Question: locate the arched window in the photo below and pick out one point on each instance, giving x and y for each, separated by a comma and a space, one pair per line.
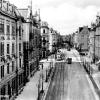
43, 30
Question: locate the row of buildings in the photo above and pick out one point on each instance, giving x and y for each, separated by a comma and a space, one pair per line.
24, 40
87, 39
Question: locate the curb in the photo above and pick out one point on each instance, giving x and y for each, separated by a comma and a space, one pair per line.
92, 88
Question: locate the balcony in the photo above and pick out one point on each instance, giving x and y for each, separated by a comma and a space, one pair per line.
14, 56
9, 57
3, 59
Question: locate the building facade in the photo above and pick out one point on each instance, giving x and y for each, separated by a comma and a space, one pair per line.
31, 42
52, 40
45, 39
83, 38
94, 44
75, 40
11, 53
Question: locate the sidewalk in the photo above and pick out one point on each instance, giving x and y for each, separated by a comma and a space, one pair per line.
94, 74
30, 91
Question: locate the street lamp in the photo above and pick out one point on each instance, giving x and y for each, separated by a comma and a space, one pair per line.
39, 89
94, 49
42, 91
39, 84
46, 76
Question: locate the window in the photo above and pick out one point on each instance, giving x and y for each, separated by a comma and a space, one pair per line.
7, 68
43, 30
36, 41
13, 85
20, 63
19, 30
1, 49
2, 71
13, 64
8, 29
19, 46
13, 30
8, 49
13, 48
3, 92
1, 28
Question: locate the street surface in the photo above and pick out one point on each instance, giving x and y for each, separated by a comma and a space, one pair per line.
70, 82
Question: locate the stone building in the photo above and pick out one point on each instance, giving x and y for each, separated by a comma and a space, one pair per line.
83, 38
94, 43
54, 40
75, 40
31, 42
11, 51
45, 39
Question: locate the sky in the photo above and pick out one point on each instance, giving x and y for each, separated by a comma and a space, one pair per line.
65, 16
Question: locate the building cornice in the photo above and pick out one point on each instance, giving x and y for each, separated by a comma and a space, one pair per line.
8, 15
45, 27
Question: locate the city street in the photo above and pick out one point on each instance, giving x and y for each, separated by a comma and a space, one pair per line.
47, 54
70, 82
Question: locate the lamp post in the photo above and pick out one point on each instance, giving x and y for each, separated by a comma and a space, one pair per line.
42, 79
94, 49
46, 76
39, 89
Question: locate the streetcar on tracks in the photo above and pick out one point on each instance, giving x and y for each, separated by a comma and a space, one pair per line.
69, 60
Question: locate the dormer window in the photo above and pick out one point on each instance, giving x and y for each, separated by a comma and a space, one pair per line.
12, 9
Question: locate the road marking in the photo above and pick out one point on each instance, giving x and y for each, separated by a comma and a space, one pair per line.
92, 88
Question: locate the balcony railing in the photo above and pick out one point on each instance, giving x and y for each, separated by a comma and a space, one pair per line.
14, 56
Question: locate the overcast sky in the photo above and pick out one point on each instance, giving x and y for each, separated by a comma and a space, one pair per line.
64, 15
